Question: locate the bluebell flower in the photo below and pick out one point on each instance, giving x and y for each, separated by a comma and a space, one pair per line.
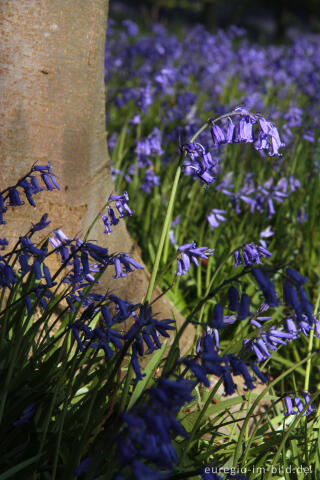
258, 372
152, 425
268, 138
100, 254
266, 286
244, 131
26, 416
291, 298
268, 341
267, 194
243, 194
149, 146
107, 223
132, 27
189, 252
121, 202
14, 198
296, 277
3, 243
3, 210
210, 475
218, 136
250, 254
216, 217
265, 234
43, 223
35, 187
217, 318
29, 248
143, 472
198, 371
244, 307
27, 187
146, 328
83, 467
289, 406
233, 296
23, 260
239, 368
128, 263
145, 98
150, 181
175, 222
124, 308
199, 162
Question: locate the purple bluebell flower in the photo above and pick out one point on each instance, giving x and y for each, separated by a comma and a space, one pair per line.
268, 138
256, 370
29, 248
174, 223
27, 188
216, 217
244, 131
132, 27
26, 416
83, 467
211, 475
107, 224
266, 286
43, 223
230, 132
217, 317
268, 193
198, 371
145, 98
121, 202
239, 368
128, 263
307, 400
199, 162
265, 234
244, 307
218, 136
296, 277
291, 298
150, 181
250, 254
3, 243
14, 198
35, 187
189, 252
233, 295
289, 406
244, 194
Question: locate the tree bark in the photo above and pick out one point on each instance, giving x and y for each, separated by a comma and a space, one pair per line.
52, 108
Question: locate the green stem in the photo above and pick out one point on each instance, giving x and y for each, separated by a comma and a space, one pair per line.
167, 220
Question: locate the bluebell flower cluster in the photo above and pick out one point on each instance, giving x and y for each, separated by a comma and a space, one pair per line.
208, 361
298, 403
216, 217
199, 162
250, 254
151, 427
29, 186
190, 253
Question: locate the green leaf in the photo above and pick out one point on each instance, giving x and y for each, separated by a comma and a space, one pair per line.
17, 468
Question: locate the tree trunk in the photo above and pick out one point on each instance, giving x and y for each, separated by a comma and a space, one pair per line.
53, 109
